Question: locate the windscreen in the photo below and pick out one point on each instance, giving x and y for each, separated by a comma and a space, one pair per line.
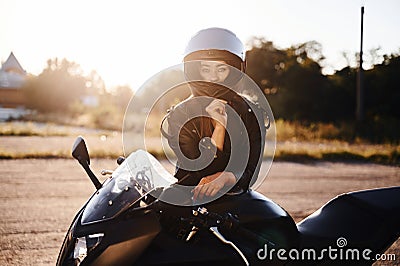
137, 176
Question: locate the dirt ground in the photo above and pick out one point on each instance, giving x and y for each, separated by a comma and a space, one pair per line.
40, 197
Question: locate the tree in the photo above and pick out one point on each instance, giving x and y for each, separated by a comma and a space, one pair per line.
57, 87
290, 78
122, 95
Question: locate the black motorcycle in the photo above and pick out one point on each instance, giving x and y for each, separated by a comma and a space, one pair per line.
128, 221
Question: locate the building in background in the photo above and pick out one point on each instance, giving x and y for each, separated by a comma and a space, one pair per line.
12, 98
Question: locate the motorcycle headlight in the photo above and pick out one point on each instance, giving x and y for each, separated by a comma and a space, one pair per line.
85, 244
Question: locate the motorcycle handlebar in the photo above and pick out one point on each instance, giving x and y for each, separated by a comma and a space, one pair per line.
230, 223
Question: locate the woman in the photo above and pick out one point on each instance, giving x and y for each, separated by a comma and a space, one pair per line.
216, 134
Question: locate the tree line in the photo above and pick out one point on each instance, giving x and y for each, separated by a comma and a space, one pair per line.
291, 79
63, 92
296, 89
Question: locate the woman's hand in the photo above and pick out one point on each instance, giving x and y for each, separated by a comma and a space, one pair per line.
216, 109
210, 185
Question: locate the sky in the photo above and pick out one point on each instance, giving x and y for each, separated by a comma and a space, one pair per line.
127, 42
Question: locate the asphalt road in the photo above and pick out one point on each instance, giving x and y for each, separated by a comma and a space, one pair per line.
39, 199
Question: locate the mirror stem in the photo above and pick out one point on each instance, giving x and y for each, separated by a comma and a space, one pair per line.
91, 175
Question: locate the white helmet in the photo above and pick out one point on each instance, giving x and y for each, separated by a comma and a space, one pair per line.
214, 44
216, 39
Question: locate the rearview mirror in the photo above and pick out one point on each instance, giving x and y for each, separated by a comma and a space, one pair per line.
80, 152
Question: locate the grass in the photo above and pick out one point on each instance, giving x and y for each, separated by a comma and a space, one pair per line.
58, 154
29, 128
295, 142
281, 155
338, 151
286, 151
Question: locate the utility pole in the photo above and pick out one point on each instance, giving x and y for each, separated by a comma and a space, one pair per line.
360, 83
